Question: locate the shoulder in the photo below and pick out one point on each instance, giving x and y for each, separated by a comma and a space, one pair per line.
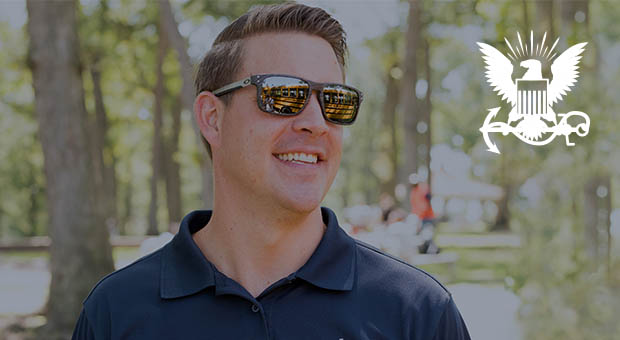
120, 293
392, 287
391, 276
133, 283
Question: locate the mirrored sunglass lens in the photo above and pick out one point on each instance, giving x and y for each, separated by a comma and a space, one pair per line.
341, 103
283, 95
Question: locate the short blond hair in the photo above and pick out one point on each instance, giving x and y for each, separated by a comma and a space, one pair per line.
219, 66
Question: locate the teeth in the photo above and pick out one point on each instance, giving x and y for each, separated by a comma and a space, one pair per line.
298, 157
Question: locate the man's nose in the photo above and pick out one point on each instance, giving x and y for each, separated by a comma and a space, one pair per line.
311, 118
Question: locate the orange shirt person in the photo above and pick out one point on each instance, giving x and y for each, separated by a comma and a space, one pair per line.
420, 199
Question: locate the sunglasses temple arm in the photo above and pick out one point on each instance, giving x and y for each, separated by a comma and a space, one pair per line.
232, 86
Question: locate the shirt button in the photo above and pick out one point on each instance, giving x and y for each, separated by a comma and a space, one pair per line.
255, 308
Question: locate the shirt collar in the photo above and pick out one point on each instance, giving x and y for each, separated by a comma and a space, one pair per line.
185, 270
332, 265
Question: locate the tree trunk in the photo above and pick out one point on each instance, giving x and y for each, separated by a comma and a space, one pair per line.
409, 104
427, 136
544, 19
80, 252
526, 19
502, 220
127, 205
568, 9
157, 153
590, 219
105, 161
187, 92
171, 147
389, 122
172, 169
596, 211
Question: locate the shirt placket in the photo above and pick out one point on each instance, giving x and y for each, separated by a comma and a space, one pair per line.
227, 286
269, 298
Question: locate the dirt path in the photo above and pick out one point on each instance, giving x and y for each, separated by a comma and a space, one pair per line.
490, 311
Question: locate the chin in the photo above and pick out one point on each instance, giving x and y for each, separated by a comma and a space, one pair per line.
298, 196
302, 205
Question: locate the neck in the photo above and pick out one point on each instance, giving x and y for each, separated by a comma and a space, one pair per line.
254, 245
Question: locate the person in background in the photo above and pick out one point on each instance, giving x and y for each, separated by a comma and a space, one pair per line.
420, 199
387, 205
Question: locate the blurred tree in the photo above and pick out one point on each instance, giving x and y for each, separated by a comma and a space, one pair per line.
425, 125
544, 18
410, 106
389, 123
22, 203
416, 94
526, 18
159, 93
186, 101
502, 220
105, 173
171, 166
508, 177
569, 276
76, 223
92, 52
596, 188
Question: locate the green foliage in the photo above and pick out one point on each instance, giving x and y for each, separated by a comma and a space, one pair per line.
22, 207
565, 294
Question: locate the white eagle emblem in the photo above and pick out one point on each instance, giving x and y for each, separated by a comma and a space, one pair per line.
533, 96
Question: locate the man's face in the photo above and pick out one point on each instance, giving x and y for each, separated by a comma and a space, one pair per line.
252, 140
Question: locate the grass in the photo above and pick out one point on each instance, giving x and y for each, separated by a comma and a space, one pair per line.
120, 255
488, 265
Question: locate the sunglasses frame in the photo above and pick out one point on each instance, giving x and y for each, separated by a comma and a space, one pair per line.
257, 80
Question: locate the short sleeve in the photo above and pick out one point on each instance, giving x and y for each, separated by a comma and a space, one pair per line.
83, 330
451, 325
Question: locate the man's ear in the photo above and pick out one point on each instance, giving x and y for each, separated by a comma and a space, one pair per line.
208, 110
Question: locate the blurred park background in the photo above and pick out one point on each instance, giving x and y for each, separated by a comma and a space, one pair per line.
109, 154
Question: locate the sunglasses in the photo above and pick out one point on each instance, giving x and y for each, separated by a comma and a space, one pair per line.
285, 95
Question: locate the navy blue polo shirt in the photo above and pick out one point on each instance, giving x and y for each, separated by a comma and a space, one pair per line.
346, 290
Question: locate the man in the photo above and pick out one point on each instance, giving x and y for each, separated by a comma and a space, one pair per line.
268, 262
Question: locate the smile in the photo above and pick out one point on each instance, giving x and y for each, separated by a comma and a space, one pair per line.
300, 158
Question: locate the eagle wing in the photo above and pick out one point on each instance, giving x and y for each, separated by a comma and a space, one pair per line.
565, 73
499, 73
